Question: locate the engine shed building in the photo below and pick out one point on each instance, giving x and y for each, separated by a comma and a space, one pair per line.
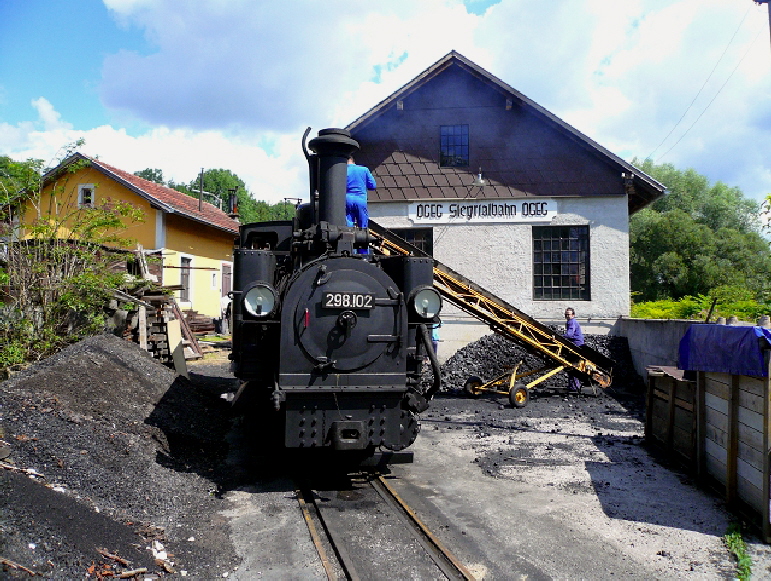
549, 227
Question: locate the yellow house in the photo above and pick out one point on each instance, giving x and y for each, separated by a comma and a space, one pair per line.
194, 239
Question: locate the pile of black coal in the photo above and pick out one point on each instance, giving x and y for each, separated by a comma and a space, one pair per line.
494, 355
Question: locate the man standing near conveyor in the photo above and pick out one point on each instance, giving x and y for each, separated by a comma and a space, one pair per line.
574, 333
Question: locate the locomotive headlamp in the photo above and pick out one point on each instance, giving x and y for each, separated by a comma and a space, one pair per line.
427, 302
260, 300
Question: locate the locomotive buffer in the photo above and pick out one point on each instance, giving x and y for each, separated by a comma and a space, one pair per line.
559, 352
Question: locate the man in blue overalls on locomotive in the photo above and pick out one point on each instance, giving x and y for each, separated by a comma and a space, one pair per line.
359, 181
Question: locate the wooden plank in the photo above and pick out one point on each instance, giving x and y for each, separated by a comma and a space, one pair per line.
751, 494
715, 468
715, 418
714, 387
684, 404
176, 348
716, 451
749, 473
682, 442
753, 385
142, 327
749, 418
751, 401
683, 419
750, 437
686, 390
732, 447
701, 425
671, 413
752, 458
658, 429
716, 436
719, 377
651, 386
661, 395
716, 403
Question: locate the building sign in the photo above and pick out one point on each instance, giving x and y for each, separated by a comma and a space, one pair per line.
483, 211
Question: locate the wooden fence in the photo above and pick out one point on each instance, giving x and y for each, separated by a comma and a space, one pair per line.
717, 425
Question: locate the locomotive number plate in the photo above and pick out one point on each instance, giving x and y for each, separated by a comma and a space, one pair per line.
346, 300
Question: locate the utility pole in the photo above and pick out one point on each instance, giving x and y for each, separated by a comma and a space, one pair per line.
769, 11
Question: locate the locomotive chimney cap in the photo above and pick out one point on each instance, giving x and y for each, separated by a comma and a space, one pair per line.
333, 141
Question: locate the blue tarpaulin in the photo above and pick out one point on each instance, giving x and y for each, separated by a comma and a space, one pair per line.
734, 349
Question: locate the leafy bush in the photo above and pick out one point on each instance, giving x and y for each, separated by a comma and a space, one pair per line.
726, 304
56, 277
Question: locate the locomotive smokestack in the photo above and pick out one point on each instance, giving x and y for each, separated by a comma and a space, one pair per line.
332, 148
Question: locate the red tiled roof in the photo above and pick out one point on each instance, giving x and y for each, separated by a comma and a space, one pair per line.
162, 197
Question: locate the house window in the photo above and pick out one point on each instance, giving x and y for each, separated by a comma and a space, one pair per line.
423, 238
561, 263
184, 279
86, 196
453, 146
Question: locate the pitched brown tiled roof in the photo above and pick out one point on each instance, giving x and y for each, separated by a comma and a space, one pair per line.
510, 181
161, 197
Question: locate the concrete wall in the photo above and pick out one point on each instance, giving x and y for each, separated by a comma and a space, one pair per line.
499, 257
652, 341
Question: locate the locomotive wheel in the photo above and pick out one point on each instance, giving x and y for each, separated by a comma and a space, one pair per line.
472, 386
519, 396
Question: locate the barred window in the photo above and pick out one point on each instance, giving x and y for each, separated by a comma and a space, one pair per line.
453, 146
423, 238
561, 263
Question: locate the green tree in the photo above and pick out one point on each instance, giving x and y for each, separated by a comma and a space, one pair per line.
221, 182
153, 175
696, 238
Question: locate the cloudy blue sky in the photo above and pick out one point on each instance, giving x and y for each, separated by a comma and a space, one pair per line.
180, 85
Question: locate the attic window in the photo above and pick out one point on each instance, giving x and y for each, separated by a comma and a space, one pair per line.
453, 146
86, 196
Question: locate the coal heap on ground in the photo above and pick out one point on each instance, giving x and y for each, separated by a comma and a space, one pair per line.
492, 355
110, 450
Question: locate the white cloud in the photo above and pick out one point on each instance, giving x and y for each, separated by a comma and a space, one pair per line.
179, 153
232, 83
50, 118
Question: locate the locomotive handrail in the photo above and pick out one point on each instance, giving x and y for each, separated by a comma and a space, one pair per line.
502, 317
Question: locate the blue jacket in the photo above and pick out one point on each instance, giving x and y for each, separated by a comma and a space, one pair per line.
359, 181
573, 332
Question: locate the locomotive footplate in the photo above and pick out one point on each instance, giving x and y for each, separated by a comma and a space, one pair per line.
346, 421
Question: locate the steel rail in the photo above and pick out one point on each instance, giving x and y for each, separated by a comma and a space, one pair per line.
438, 554
499, 315
443, 558
315, 537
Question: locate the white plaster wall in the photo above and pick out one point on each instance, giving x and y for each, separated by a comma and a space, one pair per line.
499, 257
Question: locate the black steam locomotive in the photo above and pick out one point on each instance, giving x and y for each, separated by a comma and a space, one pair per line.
329, 342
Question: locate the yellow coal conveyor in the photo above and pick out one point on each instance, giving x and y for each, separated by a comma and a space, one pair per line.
559, 352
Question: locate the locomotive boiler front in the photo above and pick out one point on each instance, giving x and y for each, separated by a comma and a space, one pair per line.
329, 340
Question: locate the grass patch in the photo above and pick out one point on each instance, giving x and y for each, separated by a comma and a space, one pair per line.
737, 547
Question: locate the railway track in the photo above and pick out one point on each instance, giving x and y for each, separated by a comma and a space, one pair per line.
364, 530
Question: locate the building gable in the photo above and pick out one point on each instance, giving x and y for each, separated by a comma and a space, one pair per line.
158, 196
521, 149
